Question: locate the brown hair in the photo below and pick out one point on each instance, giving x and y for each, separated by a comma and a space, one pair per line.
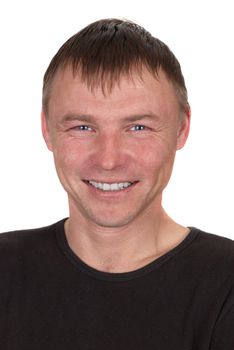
105, 49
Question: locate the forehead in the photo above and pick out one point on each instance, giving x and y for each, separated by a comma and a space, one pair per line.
136, 91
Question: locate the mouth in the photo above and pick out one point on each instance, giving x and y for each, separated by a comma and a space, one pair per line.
111, 187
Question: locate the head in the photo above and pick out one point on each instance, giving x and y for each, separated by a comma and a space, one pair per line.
115, 111
106, 50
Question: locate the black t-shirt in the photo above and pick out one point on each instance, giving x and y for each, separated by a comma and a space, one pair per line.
50, 299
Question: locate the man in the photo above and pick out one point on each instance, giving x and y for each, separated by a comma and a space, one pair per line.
119, 273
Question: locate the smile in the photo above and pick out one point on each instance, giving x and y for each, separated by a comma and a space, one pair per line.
116, 186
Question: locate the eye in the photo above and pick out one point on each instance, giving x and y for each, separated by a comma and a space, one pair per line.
83, 128
138, 127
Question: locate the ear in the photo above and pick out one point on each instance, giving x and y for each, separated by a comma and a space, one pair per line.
45, 130
183, 130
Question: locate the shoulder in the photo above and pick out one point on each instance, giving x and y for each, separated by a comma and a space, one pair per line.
20, 242
213, 251
214, 243
25, 257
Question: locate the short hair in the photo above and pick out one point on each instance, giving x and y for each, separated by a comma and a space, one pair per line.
108, 48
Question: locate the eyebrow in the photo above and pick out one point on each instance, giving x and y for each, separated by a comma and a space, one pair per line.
81, 117
138, 117
90, 119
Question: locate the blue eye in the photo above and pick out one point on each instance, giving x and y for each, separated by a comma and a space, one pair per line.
83, 128
138, 127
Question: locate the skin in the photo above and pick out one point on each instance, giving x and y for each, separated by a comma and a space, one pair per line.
130, 134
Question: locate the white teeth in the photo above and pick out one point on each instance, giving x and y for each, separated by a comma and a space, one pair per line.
106, 187
110, 187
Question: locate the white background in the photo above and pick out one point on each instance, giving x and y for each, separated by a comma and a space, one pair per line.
200, 33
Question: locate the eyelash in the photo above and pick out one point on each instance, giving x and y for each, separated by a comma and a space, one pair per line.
137, 127
83, 128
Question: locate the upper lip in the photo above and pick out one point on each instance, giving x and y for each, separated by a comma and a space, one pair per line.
110, 181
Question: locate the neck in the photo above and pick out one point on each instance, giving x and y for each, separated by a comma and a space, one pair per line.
123, 249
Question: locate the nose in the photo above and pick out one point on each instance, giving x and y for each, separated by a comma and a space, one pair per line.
110, 151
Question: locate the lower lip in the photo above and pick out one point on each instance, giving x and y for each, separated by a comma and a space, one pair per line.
109, 194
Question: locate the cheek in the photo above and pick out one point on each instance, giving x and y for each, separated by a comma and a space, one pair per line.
155, 155
67, 156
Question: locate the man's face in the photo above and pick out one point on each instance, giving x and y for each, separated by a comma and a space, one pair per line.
114, 152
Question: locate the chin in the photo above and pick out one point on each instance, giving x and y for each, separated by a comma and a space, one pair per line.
111, 220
